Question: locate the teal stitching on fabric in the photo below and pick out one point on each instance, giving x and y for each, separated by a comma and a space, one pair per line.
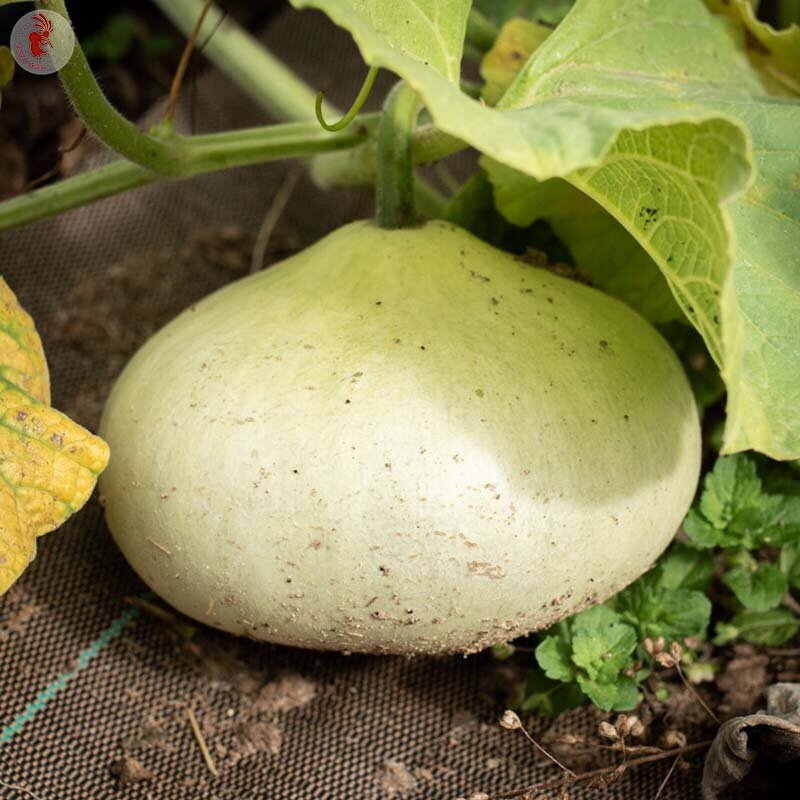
84, 659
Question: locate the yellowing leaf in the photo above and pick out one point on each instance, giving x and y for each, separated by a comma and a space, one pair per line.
515, 44
6, 66
22, 359
48, 463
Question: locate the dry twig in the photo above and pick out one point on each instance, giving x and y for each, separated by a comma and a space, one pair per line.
605, 772
184, 62
22, 789
667, 777
53, 171
695, 694
201, 742
272, 217
511, 721
673, 659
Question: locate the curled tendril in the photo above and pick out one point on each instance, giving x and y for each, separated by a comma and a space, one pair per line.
354, 109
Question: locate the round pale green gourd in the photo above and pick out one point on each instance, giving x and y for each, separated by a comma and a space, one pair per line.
398, 441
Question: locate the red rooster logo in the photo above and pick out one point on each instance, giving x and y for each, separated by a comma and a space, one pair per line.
40, 37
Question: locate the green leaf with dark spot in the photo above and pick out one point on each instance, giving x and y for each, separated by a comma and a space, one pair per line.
600, 245
515, 44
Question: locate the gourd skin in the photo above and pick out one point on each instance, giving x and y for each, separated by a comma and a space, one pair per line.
398, 441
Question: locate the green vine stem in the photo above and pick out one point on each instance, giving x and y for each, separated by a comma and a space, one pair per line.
280, 90
356, 168
394, 187
363, 94
82, 189
285, 96
205, 153
164, 155
154, 158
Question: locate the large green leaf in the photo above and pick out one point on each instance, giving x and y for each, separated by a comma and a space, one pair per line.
761, 303
601, 246
774, 53
424, 36
650, 109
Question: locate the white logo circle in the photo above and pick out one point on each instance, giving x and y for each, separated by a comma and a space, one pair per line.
42, 42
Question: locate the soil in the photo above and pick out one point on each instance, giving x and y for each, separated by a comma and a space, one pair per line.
105, 321
743, 681
285, 693
129, 770
396, 779
22, 611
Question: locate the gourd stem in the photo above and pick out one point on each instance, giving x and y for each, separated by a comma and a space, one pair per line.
394, 185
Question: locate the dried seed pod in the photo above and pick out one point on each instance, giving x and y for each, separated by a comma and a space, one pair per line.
637, 728
673, 739
665, 660
676, 651
630, 721
633, 669
607, 731
510, 720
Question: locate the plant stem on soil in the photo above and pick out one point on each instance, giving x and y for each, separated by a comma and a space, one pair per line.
583, 777
207, 153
